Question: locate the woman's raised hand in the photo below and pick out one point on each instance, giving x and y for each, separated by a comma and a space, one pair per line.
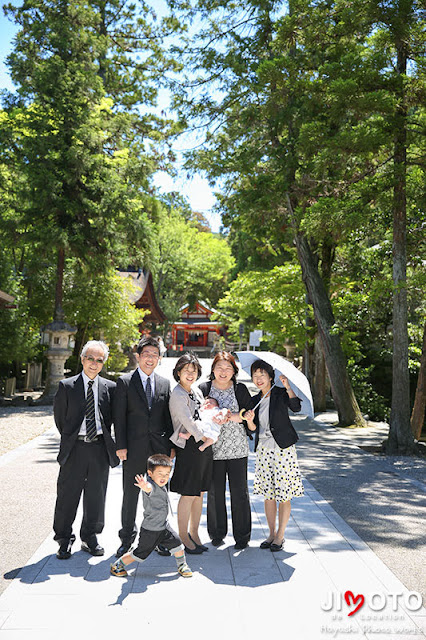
287, 386
285, 382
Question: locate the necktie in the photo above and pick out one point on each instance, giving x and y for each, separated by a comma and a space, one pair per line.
90, 412
148, 392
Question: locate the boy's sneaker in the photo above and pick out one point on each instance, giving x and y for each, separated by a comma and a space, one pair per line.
185, 571
118, 570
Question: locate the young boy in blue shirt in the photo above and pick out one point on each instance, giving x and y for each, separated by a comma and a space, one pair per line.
155, 529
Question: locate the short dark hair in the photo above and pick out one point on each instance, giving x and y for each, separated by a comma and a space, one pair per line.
265, 366
158, 460
147, 341
187, 358
228, 357
212, 398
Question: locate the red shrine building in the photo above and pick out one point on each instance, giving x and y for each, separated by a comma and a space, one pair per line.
195, 330
143, 296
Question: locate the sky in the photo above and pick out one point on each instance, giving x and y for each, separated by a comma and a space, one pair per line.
196, 190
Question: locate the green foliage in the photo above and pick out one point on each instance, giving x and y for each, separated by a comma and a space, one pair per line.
303, 108
79, 143
99, 305
273, 301
188, 263
20, 325
23, 336
370, 402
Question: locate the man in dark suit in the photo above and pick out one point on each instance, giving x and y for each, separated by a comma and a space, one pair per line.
142, 426
83, 415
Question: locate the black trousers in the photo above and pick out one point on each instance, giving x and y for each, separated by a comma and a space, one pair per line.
217, 517
148, 540
131, 493
85, 471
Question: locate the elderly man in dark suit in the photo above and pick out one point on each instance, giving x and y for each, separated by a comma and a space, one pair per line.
83, 415
142, 426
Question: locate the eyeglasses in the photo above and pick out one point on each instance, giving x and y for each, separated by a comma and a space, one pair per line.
145, 355
92, 359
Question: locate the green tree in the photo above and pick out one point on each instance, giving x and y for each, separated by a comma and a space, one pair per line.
271, 300
79, 142
188, 264
98, 304
305, 126
65, 139
265, 95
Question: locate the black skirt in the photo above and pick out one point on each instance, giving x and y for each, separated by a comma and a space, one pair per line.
193, 469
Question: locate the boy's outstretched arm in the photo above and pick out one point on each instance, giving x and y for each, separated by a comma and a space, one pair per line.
143, 484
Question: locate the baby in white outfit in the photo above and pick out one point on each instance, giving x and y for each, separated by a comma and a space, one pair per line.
208, 410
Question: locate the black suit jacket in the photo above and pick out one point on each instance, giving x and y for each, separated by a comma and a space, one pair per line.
69, 408
281, 428
141, 431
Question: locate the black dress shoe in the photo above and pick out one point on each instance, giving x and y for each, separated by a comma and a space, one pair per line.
122, 549
239, 546
96, 550
277, 547
162, 550
217, 542
64, 551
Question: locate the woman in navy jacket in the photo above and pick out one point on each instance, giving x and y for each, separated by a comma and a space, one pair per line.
277, 475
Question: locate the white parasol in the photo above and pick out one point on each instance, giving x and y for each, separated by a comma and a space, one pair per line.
298, 381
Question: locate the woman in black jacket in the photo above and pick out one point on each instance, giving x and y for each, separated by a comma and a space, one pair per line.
277, 475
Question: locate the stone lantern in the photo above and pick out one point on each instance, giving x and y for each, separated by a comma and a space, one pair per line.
60, 337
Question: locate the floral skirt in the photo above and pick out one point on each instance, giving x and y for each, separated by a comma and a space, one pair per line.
277, 474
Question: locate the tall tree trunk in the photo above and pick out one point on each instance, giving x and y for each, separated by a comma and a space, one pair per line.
58, 313
320, 377
400, 434
418, 414
343, 395
328, 250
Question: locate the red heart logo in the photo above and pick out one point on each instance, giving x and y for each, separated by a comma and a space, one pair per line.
348, 596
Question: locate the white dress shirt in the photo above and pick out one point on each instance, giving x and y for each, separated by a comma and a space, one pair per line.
95, 388
144, 378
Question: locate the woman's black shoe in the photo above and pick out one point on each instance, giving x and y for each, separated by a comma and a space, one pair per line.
200, 546
266, 544
194, 552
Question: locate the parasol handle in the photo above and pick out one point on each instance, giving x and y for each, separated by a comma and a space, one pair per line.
242, 412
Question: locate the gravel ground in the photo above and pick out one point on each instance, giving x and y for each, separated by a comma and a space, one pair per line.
413, 467
18, 425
